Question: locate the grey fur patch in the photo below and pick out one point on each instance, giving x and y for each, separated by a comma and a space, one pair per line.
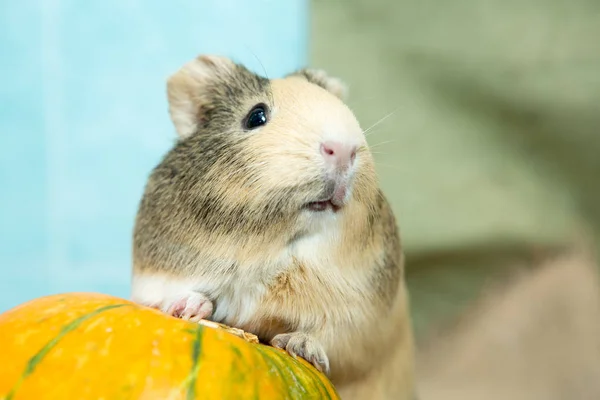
179, 197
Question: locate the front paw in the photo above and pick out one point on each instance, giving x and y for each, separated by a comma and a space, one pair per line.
303, 345
192, 306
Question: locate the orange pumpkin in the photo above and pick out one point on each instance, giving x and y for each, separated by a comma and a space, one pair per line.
93, 346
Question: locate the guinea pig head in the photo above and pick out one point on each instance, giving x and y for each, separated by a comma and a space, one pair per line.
277, 152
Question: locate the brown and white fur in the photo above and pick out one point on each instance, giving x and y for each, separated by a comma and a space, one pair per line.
228, 228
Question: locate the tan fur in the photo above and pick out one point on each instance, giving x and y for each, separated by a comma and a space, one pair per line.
536, 339
223, 216
331, 84
185, 90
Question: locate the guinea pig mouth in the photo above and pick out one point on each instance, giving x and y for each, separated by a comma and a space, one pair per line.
333, 198
323, 205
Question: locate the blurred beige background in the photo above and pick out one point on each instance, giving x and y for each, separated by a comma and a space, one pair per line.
489, 147
492, 148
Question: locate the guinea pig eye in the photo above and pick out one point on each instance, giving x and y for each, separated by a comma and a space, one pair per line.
256, 117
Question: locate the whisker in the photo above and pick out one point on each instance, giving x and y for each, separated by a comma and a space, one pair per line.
269, 92
382, 143
379, 122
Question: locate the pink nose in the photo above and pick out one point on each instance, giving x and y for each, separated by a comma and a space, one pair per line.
338, 155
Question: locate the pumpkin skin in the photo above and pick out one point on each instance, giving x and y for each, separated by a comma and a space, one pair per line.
94, 346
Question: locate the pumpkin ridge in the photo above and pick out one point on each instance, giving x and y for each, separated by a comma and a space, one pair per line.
37, 357
193, 375
296, 378
238, 359
270, 362
316, 378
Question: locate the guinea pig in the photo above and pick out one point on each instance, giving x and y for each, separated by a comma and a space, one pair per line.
267, 216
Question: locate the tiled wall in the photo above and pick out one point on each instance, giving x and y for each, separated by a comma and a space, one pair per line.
83, 119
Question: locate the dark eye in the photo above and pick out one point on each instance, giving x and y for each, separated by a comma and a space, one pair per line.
256, 117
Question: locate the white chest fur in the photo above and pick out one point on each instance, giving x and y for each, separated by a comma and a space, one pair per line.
240, 296
237, 292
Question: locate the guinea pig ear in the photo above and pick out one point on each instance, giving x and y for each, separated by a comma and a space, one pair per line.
321, 78
187, 90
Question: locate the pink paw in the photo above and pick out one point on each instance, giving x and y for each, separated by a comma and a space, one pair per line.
191, 307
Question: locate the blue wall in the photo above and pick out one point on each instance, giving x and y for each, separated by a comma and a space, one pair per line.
83, 119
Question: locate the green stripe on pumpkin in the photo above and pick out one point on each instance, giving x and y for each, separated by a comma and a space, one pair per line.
279, 361
273, 365
316, 378
306, 386
39, 356
193, 375
239, 374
